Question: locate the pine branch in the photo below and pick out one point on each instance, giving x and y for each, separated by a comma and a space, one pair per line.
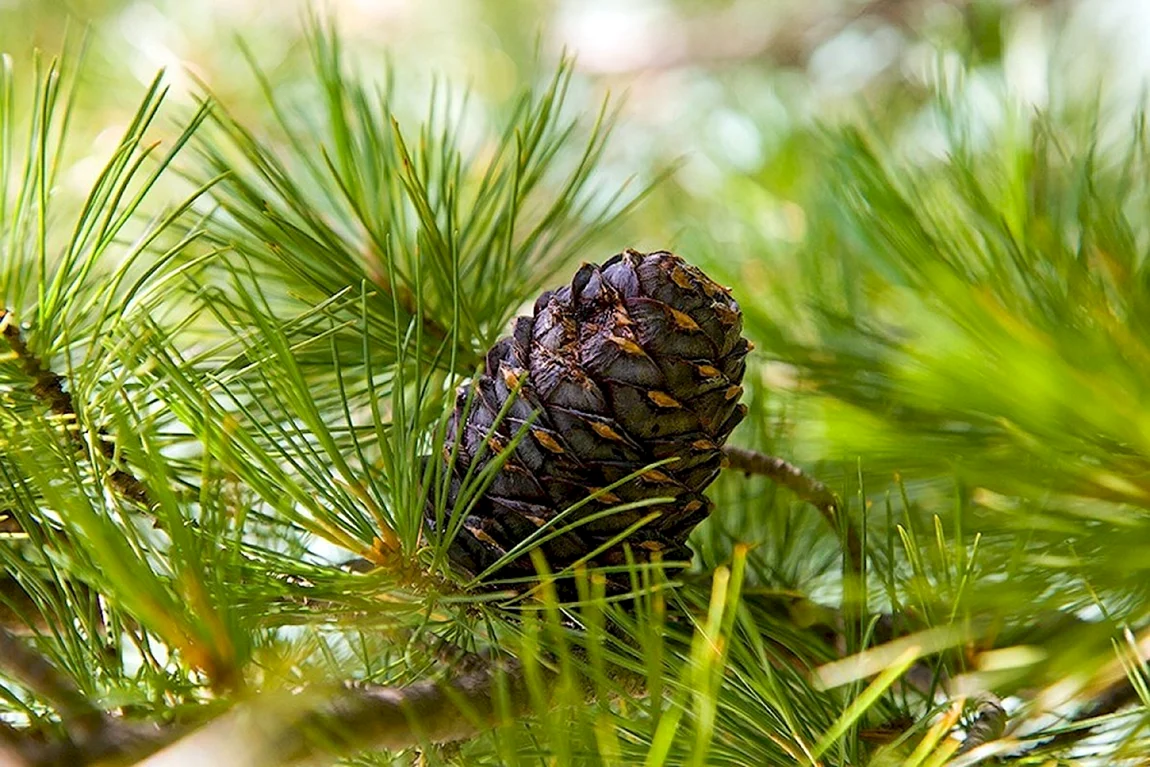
322, 727
804, 486
32, 670
361, 717
18, 610
48, 387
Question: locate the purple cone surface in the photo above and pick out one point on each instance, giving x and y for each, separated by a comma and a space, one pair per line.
639, 359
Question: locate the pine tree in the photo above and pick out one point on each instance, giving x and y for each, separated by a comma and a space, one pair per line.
258, 495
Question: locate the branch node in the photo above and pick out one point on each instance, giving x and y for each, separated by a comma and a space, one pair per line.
805, 487
48, 387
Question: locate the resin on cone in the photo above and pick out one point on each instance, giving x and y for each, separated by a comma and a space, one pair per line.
638, 360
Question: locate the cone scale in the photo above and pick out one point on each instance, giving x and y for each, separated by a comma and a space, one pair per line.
638, 360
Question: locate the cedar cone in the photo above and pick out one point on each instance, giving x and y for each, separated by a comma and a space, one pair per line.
639, 359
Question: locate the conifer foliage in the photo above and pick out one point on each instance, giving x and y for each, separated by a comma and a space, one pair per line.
282, 481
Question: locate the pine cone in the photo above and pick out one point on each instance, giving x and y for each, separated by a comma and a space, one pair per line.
638, 360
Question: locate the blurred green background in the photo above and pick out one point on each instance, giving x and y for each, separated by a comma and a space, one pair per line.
727, 87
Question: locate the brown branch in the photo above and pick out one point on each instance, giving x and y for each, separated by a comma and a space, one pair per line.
397, 718
805, 487
19, 611
32, 670
48, 387
10, 741
314, 726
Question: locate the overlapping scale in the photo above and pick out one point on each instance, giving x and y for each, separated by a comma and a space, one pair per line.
638, 360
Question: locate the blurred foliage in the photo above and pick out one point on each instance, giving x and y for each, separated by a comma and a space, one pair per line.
934, 215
